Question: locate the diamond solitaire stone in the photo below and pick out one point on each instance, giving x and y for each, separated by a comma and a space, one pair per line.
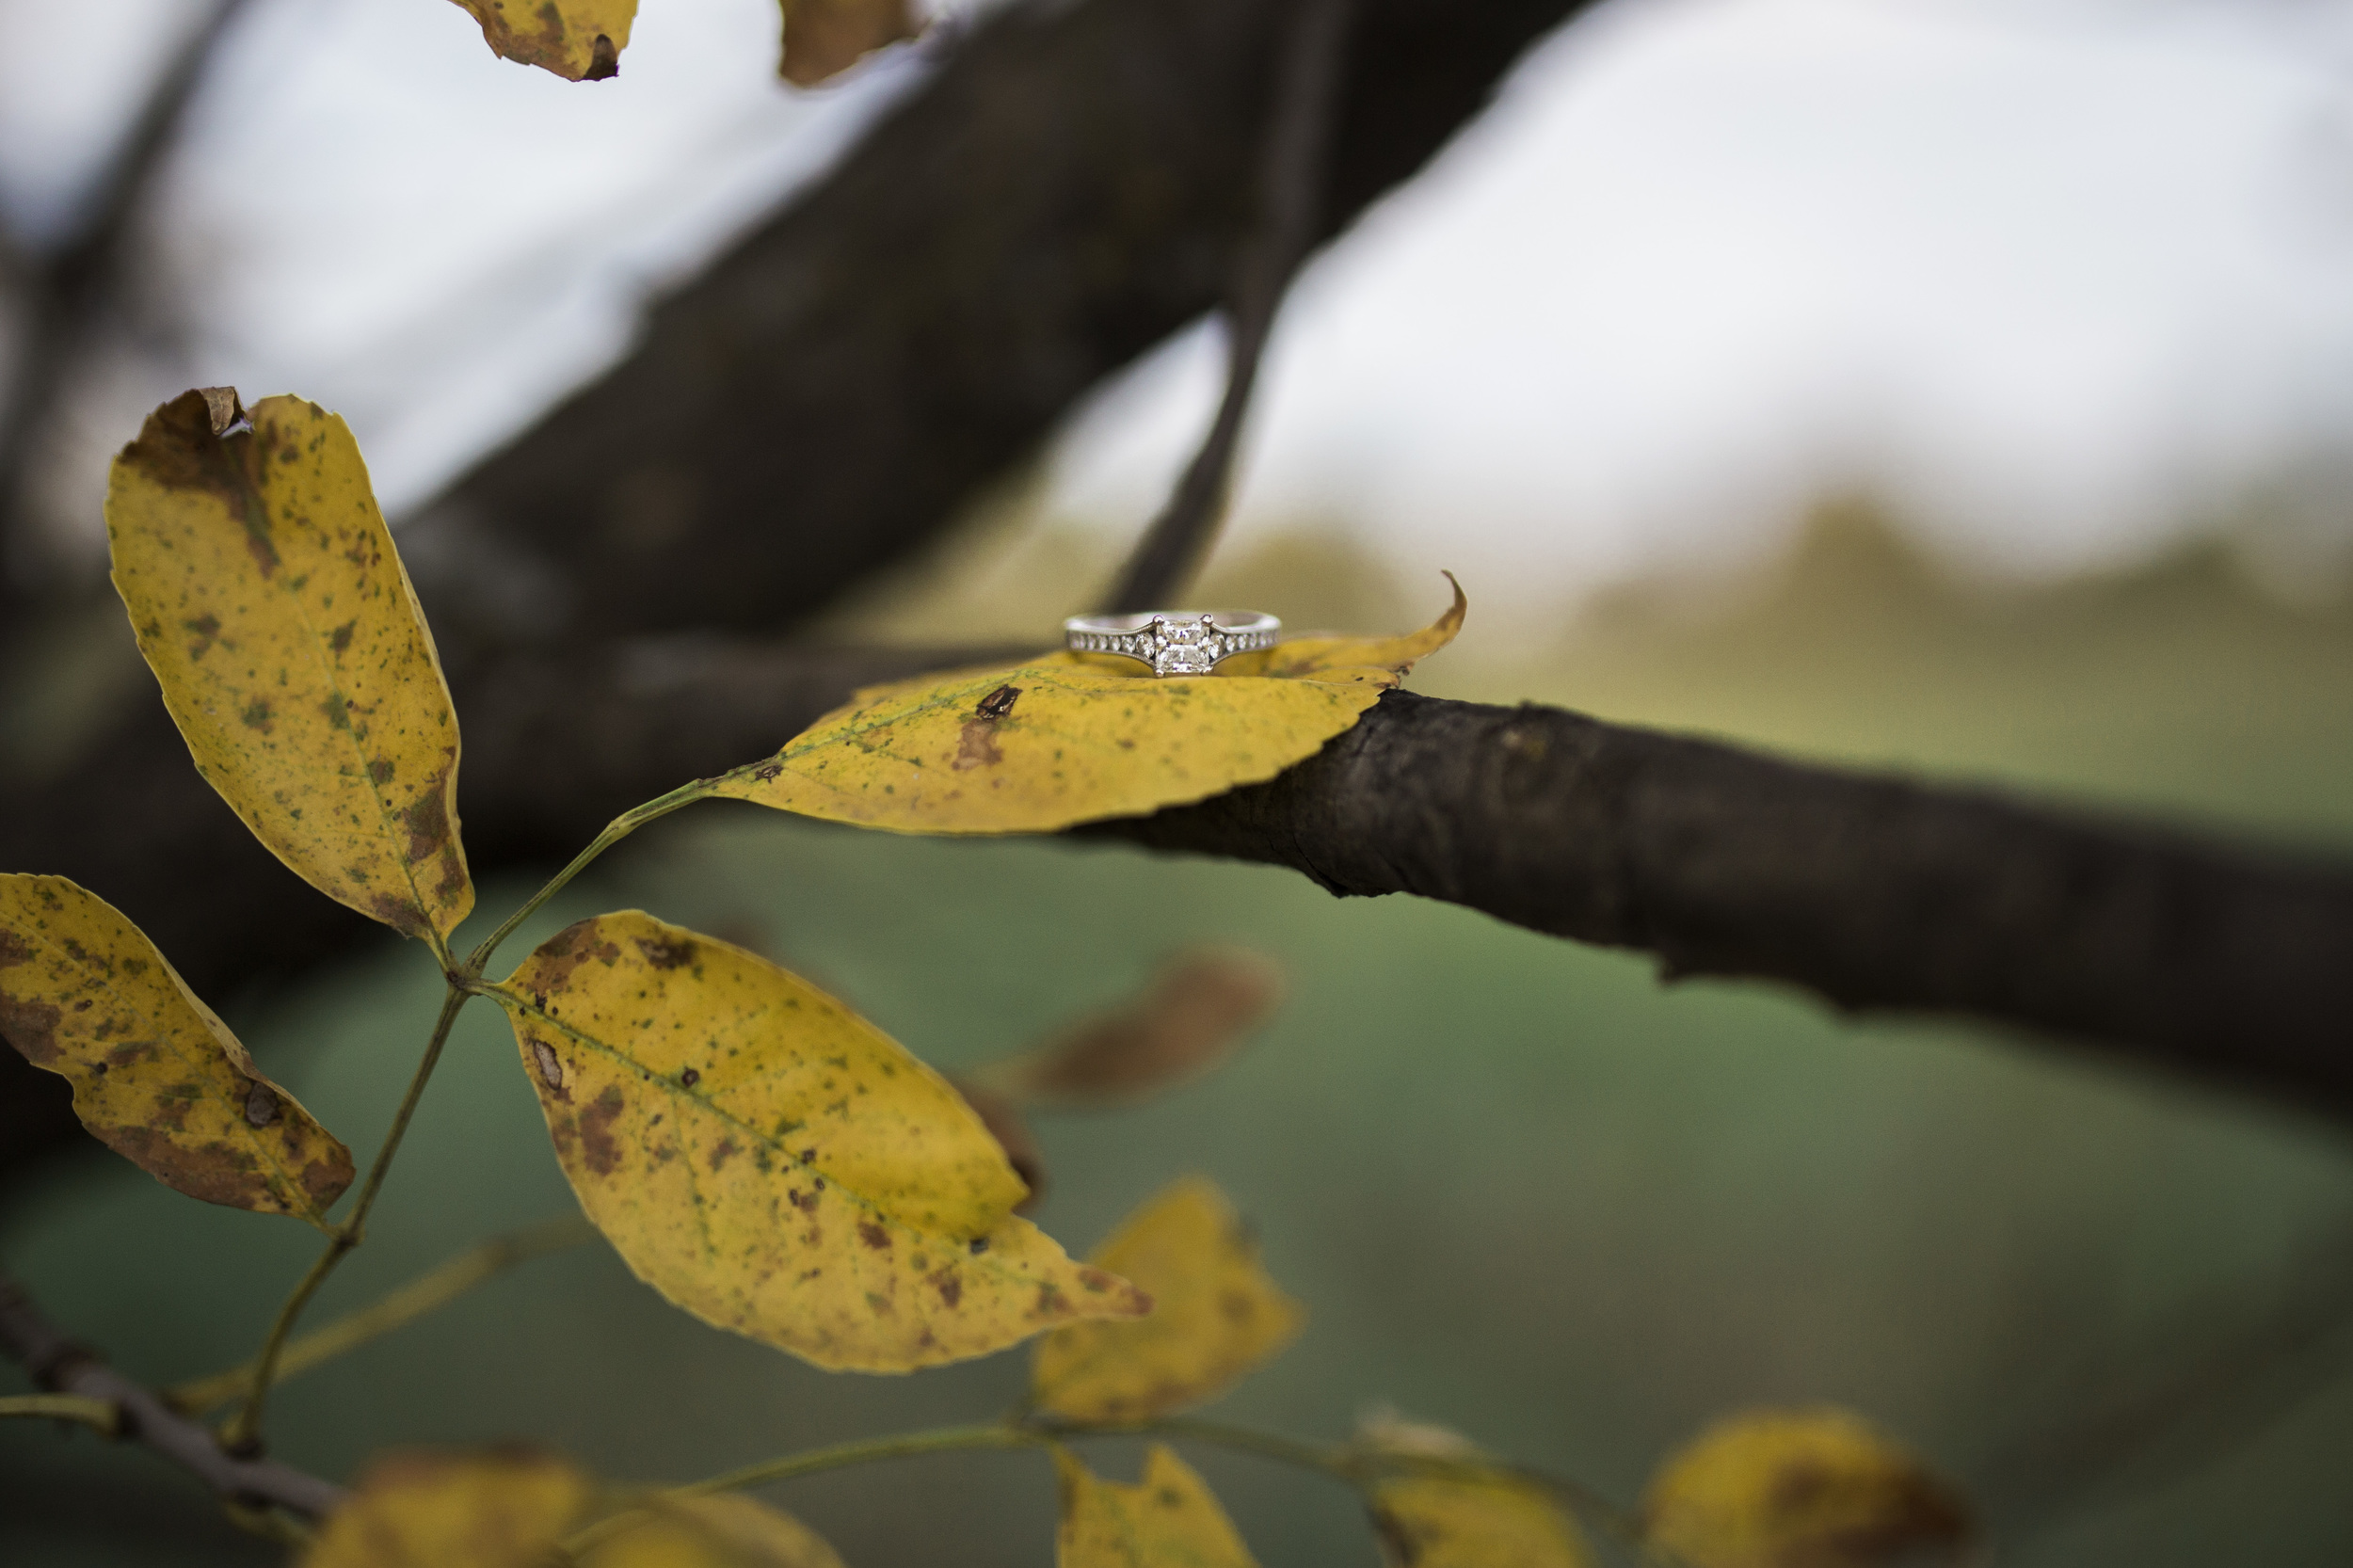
1183, 648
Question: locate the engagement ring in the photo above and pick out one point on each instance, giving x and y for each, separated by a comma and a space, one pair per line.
1173, 642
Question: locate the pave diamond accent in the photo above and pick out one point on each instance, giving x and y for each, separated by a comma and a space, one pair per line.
1182, 645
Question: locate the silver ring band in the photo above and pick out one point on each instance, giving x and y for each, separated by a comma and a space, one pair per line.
1173, 642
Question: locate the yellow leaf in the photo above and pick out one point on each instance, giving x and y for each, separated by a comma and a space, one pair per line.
159, 1079
1168, 1520
723, 1530
1446, 1522
581, 40
1300, 658
825, 38
1196, 1011
1065, 738
773, 1163
454, 1510
270, 604
1215, 1316
1798, 1489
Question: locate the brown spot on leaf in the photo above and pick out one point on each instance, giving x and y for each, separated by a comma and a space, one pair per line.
873, 1236
950, 1288
604, 61
597, 1146
256, 715
976, 746
719, 1152
180, 449
427, 820
203, 633
380, 771
339, 638
31, 1026
666, 952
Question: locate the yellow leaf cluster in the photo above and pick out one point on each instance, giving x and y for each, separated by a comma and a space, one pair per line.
156, 1076
825, 38
1445, 1522
1069, 738
580, 41
270, 604
1798, 1489
773, 1163
1216, 1316
505, 1509
1169, 1519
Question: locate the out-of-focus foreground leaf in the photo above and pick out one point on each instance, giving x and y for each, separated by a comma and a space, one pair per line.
503, 1510
1196, 1011
1215, 1316
723, 1530
777, 1165
1068, 738
581, 40
1169, 1519
276, 614
1800, 1489
158, 1077
1445, 1522
825, 38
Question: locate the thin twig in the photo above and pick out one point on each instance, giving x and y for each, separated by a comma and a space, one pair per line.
61, 1366
71, 285
1291, 205
98, 1415
244, 1428
427, 1293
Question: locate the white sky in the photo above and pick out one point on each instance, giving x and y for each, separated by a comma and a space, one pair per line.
2063, 278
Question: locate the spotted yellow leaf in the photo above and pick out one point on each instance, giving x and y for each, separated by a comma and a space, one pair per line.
825, 38
156, 1076
1169, 1519
1215, 1316
1306, 657
499, 1509
723, 1530
1473, 1522
276, 614
580, 41
1800, 1489
1065, 738
777, 1165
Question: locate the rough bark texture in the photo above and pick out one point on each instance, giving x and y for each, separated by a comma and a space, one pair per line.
1870, 892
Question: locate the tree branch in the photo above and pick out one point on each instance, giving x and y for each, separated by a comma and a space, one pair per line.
1068, 190
61, 1366
1292, 189
1873, 893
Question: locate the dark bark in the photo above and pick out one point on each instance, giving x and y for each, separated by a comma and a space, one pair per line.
1871, 892
1066, 192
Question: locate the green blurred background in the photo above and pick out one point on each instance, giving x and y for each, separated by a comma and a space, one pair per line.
1524, 1190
